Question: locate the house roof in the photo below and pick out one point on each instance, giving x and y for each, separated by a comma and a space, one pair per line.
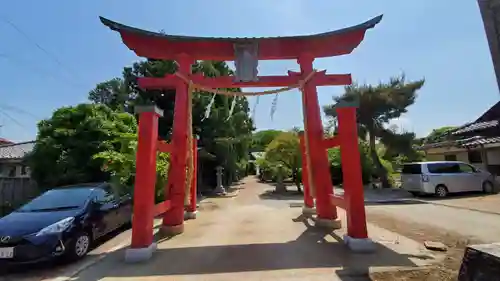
5, 141
465, 143
16, 150
475, 126
487, 123
493, 113
484, 130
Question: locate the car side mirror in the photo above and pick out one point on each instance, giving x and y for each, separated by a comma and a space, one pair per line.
95, 205
125, 198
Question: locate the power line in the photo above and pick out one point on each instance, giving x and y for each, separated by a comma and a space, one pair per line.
40, 70
18, 110
27, 37
25, 130
12, 119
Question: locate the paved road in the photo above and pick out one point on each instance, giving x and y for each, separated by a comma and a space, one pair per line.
253, 236
479, 225
258, 237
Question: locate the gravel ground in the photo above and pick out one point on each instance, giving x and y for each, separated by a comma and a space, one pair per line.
477, 225
445, 271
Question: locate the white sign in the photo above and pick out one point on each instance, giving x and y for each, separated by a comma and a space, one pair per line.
6, 253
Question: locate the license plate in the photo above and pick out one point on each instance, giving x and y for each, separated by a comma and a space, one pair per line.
6, 253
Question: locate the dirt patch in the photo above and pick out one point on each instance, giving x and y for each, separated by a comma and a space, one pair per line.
481, 203
208, 206
288, 195
444, 271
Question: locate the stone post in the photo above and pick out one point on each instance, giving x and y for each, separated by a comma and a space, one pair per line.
219, 189
280, 186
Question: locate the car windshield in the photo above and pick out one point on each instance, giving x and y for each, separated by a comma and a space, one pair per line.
412, 169
58, 199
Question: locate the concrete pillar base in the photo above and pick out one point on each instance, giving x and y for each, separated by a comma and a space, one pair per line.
171, 230
328, 223
135, 255
360, 245
190, 215
308, 210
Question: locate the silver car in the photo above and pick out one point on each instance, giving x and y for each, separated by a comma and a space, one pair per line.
443, 177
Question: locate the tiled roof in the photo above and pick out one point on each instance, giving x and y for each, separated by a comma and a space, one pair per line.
4, 141
468, 142
476, 127
480, 141
16, 151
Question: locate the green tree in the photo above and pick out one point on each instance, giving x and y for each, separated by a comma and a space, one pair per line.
67, 141
377, 106
113, 93
261, 139
439, 134
121, 165
221, 135
400, 147
285, 150
334, 158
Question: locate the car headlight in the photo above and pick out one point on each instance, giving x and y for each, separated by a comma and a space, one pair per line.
57, 227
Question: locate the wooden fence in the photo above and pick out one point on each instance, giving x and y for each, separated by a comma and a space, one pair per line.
14, 192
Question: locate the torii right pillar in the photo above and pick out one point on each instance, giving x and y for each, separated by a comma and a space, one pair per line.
354, 201
317, 160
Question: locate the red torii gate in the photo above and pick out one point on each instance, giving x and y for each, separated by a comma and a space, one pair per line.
185, 50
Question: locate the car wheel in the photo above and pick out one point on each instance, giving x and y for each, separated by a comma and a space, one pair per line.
441, 191
487, 187
80, 246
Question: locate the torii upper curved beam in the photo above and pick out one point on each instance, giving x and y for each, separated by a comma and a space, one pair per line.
157, 45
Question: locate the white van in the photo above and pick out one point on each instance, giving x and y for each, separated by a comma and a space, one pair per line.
443, 177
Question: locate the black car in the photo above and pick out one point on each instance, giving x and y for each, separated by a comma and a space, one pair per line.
62, 222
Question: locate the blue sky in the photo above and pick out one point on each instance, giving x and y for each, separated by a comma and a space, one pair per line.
443, 41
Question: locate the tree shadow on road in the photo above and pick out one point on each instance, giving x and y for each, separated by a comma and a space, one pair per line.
312, 249
289, 195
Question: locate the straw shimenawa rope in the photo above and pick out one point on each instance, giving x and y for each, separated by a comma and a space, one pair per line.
229, 93
192, 86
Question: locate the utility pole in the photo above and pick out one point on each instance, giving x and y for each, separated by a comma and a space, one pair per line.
490, 13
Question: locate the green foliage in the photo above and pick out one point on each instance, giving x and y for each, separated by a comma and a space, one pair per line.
121, 165
367, 167
439, 134
377, 106
112, 93
267, 169
284, 150
400, 147
261, 139
67, 141
226, 138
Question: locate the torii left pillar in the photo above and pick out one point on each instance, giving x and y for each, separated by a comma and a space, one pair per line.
191, 208
173, 219
308, 208
142, 245
318, 169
